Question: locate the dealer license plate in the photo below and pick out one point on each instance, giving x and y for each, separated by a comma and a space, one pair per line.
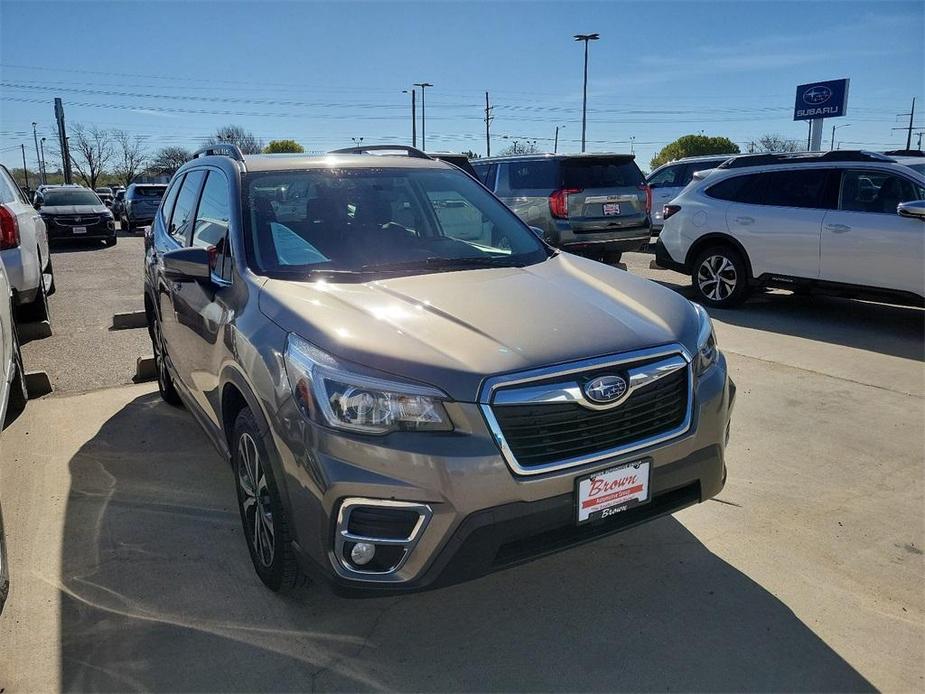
611, 209
610, 491
80, 230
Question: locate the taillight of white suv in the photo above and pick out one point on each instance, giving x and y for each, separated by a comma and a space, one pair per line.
9, 229
670, 210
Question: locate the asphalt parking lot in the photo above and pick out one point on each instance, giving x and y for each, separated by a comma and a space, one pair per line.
129, 569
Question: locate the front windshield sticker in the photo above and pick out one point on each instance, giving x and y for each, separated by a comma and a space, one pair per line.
292, 249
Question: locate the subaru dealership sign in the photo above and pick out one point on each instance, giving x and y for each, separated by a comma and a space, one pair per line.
821, 100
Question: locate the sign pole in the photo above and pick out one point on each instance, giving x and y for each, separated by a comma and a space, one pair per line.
815, 144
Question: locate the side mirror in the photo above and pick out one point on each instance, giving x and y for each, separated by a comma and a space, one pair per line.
188, 265
914, 209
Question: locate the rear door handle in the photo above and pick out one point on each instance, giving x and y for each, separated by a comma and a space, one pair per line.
745, 221
838, 228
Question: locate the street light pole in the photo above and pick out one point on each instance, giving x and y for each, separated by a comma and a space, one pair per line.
584, 99
555, 146
44, 170
357, 141
25, 171
414, 116
834, 128
423, 86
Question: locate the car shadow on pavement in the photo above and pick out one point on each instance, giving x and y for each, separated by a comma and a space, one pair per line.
158, 593
884, 328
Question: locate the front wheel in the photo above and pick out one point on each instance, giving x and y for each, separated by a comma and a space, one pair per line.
262, 514
720, 277
111, 241
165, 384
612, 257
37, 310
127, 225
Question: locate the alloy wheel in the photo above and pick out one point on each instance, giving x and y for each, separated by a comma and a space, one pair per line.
717, 278
255, 500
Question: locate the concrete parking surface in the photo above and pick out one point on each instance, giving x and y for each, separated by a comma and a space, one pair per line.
130, 571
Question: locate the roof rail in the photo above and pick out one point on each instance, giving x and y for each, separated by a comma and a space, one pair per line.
769, 158
221, 149
410, 151
906, 153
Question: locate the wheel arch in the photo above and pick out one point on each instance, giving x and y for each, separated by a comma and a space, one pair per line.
717, 239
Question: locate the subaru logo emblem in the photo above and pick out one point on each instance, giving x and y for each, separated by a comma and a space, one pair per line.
605, 389
817, 95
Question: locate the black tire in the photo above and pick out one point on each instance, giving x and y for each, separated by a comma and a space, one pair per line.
19, 394
613, 257
263, 517
37, 310
127, 225
111, 241
720, 277
165, 385
51, 271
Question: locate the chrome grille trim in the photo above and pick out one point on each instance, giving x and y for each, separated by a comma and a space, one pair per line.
675, 356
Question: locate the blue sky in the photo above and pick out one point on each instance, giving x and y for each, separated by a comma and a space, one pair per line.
322, 73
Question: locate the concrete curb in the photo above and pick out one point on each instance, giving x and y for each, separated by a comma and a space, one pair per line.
129, 320
37, 384
33, 331
144, 370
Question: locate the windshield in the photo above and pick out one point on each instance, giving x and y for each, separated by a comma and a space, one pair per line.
919, 168
148, 192
53, 198
379, 221
598, 172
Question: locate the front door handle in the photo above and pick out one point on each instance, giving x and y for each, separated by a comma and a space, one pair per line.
838, 228
745, 221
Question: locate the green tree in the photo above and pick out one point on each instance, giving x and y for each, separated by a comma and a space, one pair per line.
692, 146
283, 147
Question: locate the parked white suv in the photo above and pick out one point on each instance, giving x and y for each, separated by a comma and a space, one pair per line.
668, 180
24, 252
845, 222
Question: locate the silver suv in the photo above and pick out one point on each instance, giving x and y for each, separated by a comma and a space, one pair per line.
595, 205
410, 386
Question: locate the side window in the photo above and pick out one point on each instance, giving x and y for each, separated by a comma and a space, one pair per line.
875, 191
527, 175
181, 221
803, 188
169, 200
745, 189
668, 177
212, 222
487, 176
214, 212
7, 188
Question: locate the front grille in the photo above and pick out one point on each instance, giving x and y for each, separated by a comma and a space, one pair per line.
546, 433
80, 220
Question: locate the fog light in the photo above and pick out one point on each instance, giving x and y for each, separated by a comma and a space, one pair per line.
362, 553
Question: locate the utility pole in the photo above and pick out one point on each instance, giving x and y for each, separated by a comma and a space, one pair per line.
488, 119
555, 144
584, 100
25, 171
38, 159
910, 127
632, 144
423, 86
834, 128
62, 136
414, 116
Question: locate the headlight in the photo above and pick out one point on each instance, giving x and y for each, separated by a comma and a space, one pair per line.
707, 352
326, 391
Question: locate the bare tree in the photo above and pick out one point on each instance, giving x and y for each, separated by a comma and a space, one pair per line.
167, 160
236, 135
91, 149
772, 142
518, 147
130, 156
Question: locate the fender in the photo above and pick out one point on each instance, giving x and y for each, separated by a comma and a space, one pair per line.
717, 238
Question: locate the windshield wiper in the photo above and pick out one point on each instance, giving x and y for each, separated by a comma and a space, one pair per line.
439, 263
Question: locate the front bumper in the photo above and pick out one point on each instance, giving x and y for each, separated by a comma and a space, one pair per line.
102, 229
482, 516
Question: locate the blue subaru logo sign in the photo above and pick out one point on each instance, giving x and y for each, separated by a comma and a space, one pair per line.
821, 100
817, 95
605, 389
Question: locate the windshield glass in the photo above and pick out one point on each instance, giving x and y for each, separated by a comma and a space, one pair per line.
148, 192
920, 168
379, 221
599, 172
54, 198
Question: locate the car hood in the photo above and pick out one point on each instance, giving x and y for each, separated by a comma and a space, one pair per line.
74, 209
454, 329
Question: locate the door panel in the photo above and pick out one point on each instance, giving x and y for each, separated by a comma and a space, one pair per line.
865, 242
778, 240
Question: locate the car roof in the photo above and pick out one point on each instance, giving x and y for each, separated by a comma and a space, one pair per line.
282, 162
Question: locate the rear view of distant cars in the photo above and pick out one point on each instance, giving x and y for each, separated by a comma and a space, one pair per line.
140, 204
